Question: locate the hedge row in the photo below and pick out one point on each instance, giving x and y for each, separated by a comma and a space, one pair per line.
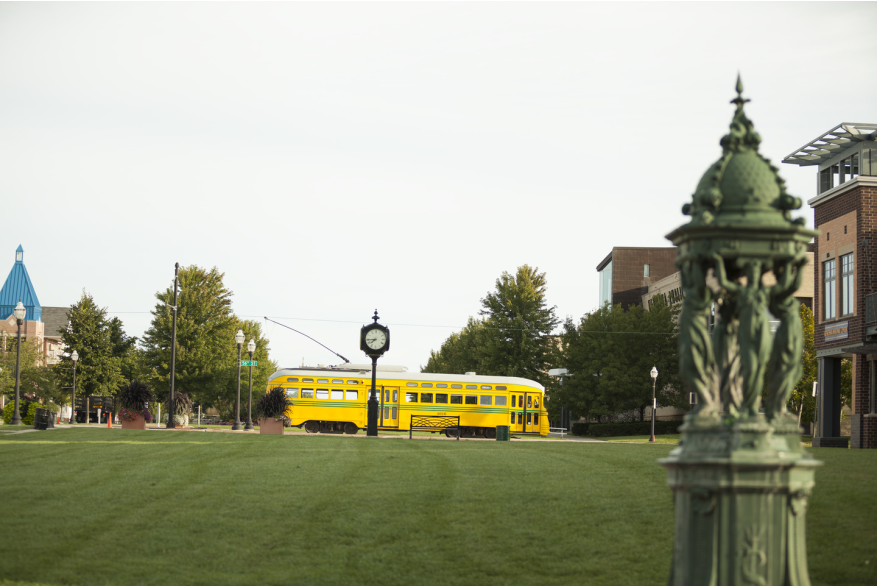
632, 428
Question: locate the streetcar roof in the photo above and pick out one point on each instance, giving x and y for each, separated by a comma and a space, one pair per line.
401, 376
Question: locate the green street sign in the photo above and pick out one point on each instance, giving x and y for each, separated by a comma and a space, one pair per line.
249, 363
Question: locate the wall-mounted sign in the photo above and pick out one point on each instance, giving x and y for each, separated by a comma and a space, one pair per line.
837, 331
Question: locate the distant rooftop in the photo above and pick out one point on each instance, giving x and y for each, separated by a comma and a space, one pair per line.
831, 143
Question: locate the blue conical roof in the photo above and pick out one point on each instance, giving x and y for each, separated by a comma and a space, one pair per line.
18, 287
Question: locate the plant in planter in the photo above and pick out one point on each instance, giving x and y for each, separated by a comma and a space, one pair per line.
135, 399
182, 408
272, 411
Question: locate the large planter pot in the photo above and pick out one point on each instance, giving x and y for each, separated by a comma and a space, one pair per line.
138, 423
271, 426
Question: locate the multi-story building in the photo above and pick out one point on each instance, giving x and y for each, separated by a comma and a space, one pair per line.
845, 281
627, 272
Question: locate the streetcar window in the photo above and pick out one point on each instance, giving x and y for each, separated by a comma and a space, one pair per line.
500, 400
471, 387
411, 384
307, 380
352, 395
529, 418
521, 401
395, 395
426, 385
486, 400
513, 417
394, 413
292, 392
441, 398
426, 398
292, 379
529, 401
337, 394
386, 413
411, 398
307, 393
513, 400
456, 399
535, 418
337, 382
500, 387
486, 387
354, 382
442, 385
387, 396
536, 403
520, 418
456, 386
322, 381
472, 400
322, 394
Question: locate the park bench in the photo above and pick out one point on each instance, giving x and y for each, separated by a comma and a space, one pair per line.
557, 430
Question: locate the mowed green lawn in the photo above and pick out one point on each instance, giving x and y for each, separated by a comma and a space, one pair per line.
98, 506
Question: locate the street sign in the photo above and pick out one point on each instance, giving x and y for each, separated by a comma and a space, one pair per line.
249, 363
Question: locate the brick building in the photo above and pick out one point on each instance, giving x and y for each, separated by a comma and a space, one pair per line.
845, 281
627, 272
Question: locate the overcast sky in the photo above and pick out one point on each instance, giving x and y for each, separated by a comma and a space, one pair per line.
334, 158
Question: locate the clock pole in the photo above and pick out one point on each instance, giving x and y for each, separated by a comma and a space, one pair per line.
374, 341
372, 429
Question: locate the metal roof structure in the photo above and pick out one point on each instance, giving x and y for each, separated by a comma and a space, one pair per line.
19, 287
832, 142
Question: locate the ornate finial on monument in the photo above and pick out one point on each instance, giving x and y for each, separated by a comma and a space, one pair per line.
376, 317
740, 229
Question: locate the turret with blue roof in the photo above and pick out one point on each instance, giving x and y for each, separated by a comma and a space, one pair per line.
19, 287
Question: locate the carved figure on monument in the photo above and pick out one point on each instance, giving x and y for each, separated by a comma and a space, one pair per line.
788, 342
696, 361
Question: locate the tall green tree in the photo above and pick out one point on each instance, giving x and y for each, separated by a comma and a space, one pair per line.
512, 338
518, 325
801, 401
205, 325
609, 355
99, 369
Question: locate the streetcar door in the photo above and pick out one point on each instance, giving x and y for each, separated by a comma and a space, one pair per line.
532, 419
516, 417
390, 407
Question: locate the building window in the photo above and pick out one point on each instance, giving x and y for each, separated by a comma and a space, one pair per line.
646, 270
846, 284
829, 283
606, 284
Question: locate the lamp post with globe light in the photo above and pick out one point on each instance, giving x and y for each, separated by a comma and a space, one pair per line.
74, 356
654, 374
239, 339
20, 311
251, 348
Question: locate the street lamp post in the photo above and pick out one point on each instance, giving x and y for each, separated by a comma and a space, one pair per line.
239, 339
171, 411
251, 348
654, 374
20, 311
74, 356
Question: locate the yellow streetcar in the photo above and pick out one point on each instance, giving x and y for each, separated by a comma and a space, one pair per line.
334, 399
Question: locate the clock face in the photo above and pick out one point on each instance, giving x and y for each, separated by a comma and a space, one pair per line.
375, 339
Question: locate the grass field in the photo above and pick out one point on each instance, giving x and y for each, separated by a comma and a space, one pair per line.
98, 506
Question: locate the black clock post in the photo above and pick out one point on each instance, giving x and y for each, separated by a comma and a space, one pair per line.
374, 341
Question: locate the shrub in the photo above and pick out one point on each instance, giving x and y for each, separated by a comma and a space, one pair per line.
273, 404
634, 428
136, 396
580, 428
23, 407
182, 403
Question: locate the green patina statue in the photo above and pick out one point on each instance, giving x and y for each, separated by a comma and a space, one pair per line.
740, 476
